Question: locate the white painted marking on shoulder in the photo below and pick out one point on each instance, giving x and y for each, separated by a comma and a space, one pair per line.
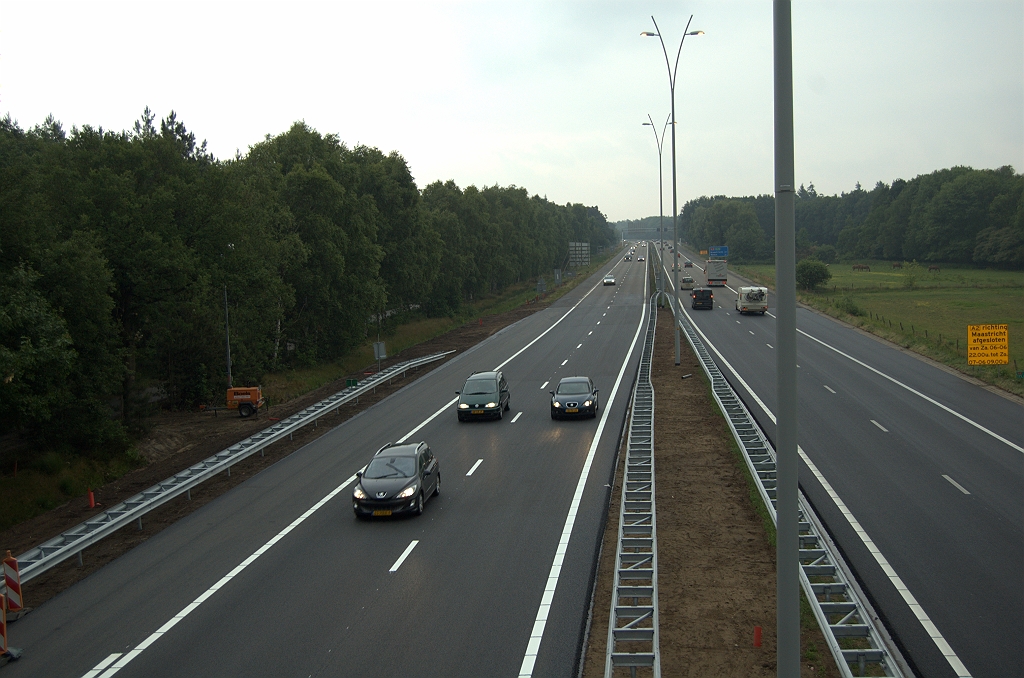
564, 362
405, 554
955, 484
95, 671
879, 426
578, 345
516, 418
770, 346
537, 634
475, 467
827, 388
543, 385
908, 597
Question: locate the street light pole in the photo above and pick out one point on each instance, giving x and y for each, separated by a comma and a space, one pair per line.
675, 207
661, 185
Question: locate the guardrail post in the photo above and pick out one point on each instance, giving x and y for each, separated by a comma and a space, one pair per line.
138, 521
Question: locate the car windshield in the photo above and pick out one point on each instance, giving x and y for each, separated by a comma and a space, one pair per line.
479, 387
391, 467
573, 388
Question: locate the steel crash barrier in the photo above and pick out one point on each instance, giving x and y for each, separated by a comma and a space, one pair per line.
73, 541
633, 621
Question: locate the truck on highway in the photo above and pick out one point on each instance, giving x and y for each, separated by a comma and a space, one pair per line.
752, 300
716, 272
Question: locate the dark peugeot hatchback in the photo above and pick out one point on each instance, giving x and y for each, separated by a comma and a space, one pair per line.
485, 395
398, 480
574, 397
702, 298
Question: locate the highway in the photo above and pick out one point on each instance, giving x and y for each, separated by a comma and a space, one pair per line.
278, 578
929, 466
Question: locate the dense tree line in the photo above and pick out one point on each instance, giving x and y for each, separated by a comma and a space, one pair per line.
958, 215
116, 249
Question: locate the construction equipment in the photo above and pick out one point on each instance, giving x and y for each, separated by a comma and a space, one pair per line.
246, 399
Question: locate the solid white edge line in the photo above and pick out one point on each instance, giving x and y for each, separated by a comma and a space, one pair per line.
915, 607
516, 418
95, 671
956, 484
475, 467
879, 426
913, 390
405, 554
537, 634
429, 419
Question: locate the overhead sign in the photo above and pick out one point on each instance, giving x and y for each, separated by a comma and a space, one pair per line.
719, 251
988, 344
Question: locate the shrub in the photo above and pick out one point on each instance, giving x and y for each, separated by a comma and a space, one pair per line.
810, 273
847, 305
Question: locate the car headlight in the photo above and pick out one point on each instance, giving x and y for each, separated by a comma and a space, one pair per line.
491, 405
586, 403
463, 406
556, 404
407, 492
358, 493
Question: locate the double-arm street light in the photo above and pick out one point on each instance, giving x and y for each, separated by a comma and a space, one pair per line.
675, 208
661, 201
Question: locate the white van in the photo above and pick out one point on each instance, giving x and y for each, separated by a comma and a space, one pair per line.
752, 300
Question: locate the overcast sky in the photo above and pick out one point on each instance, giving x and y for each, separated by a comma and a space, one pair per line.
549, 96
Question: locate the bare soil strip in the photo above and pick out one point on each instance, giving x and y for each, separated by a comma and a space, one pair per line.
716, 566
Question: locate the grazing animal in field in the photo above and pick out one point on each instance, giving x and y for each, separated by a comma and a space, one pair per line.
861, 267
897, 264
933, 268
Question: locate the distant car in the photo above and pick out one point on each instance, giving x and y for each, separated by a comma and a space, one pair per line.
484, 395
639, 258
609, 280
688, 264
702, 298
574, 397
398, 479
628, 258
686, 283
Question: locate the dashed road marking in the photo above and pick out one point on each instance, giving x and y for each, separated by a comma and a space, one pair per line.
543, 385
578, 345
770, 346
475, 467
516, 418
955, 484
564, 362
829, 389
405, 554
879, 426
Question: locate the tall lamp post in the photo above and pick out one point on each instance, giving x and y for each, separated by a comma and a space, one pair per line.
661, 201
672, 71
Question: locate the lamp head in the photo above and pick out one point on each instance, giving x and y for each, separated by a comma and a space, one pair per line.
696, 33
648, 34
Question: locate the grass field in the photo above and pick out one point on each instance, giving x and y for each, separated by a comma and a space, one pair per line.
927, 312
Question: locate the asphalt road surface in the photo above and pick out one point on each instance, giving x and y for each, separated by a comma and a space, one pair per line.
278, 578
930, 465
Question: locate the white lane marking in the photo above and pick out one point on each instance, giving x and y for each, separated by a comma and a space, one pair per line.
537, 634
737, 322
879, 426
730, 289
429, 419
908, 597
829, 389
543, 385
475, 467
770, 346
564, 362
603, 314
516, 418
955, 484
913, 390
405, 554
598, 322
751, 331
222, 582
578, 345
590, 332
537, 338
95, 671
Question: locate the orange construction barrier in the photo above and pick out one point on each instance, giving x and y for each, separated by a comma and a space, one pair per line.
3, 625
15, 602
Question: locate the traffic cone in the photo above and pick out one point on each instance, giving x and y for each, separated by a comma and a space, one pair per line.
12, 578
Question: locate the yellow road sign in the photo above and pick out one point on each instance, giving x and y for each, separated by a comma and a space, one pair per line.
988, 344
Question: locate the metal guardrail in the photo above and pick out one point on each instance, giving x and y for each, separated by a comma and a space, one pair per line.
72, 542
633, 618
852, 632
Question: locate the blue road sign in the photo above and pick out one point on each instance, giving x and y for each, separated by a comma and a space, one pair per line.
718, 252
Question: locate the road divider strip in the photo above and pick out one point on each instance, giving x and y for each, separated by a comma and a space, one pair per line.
405, 554
475, 467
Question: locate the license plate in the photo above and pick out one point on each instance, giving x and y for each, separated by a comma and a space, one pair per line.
382, 512
477, 412
572, 410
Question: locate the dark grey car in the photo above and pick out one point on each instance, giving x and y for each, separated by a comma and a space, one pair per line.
398, 479
484, 396
574, 397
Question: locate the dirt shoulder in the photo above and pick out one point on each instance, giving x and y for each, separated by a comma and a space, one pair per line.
716, 567
178, 440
